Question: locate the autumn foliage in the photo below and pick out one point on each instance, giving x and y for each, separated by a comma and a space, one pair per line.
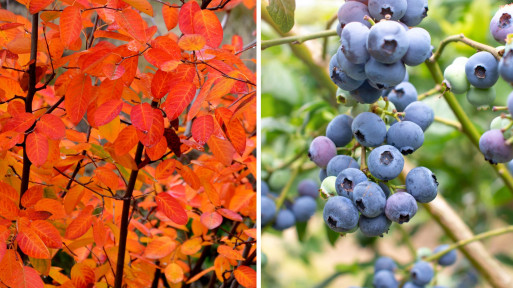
126, 152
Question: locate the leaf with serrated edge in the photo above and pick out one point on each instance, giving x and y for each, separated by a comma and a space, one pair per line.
30, 243
168, 205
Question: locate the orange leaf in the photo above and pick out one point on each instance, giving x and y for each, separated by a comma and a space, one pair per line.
237, 135
202, 128
221, 264
8, 208
32, 195
107, 112
159, 247
186, 16
30, 243
168, 205
229, 252
108, 177
29, 278
191, 246
199, 275
222, 149
245, 276
10, 268
82, 276
77, 97
81, 224
113, 71
211, 220
142, 117
20, 122
126, 140
132, 23
48, 233
161, 83
38, 5
170, 16
157, 151
161, 59
37, 148
8, 191
72, 198
141, 5
205, 23
179, 97
241, 199
70, 25
51, 126
227, 213
251, 233
99, 233
165, 169
188, 175
156, 132
192, 42
174, 273
211, 192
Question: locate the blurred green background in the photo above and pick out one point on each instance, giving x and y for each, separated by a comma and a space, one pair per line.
295, 109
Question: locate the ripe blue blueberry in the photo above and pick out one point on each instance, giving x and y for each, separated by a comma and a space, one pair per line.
506, 66
322, 149
264, 188
304, 208
402, 95
415, 12
510, 103
347, 180
387, 9
388, 42
369, 129
355, 71
322, 174
494, 147
340, 78
340, 214
369, 199
339, 130
447, 259
374, 227
420, 114
412, 285
401, 207
385, 162
284, 220
353, 41
352, 11
339, 163
384, 263
366, 93
383, 75
385, 279
421, 273
420, 47
502, 24
421, 184
482, 70
268, 210
308, 187
405, 136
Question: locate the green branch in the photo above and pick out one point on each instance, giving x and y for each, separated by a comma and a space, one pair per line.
297, 39
461, 38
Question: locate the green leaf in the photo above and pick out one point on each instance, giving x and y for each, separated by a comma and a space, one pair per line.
301, 230
332, 235
282, 13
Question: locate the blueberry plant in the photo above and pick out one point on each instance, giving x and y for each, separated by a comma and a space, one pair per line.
365, 134
127, 132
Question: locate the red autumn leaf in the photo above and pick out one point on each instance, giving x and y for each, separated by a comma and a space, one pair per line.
211, 220
251, 232
37, 148
142, 117
126, 140
108, 177
51, 126
32, 195
107, 112
30, 278
82, 275
157, 151
173, 141
20, 122
188, 175
30, 243
81, 224
170, 16
205, 23
156, 132
48, 233
170, 207
77, 98
113, 71
161, 59
160, 84
132, 23
11, 268
237, 135
8, 191
246, 276
227, 213
202, 128
165, 169
222, 149
159, 247
192, 42
8, 208
186, 17
229, 252
70, 25
99, 233
142, 5
179, 97
38, 5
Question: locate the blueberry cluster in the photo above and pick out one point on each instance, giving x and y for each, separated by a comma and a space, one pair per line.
421, 273
301, 210
372, 58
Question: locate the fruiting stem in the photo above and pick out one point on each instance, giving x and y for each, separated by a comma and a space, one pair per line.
448, 122
463, 39
509, 141
369, 19
297, 39
435, 90
285, 190
499, 108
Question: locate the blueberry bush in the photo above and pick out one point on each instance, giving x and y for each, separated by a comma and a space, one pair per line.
397, 113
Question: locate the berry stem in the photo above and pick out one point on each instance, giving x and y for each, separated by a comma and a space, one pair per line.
297, 39
363, 160
369, 19
499, 108
448, 122
463, 39
434, 91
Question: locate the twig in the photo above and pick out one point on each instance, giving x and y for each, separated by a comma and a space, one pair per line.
463, 39
451, 123
297, 39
